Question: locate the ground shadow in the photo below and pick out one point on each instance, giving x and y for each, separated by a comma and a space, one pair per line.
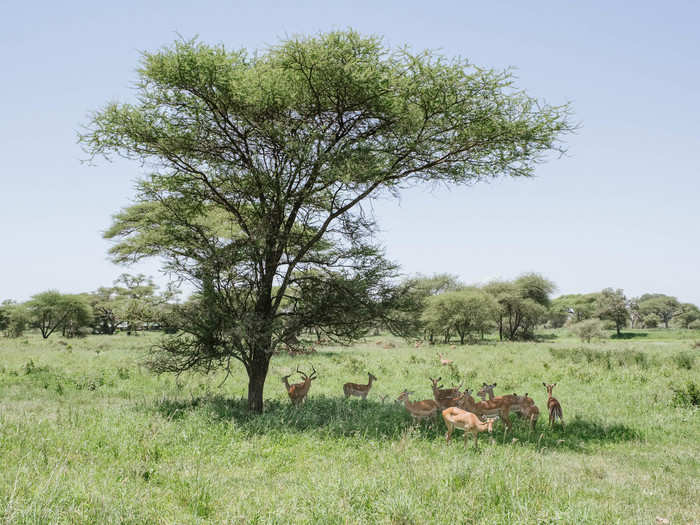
629, 335
338, 417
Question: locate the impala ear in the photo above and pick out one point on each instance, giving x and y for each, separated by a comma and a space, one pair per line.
543, 384
494, 384
483, 384
554, 384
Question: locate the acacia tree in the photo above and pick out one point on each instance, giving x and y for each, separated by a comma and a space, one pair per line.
612, 306
663, 306
261, 168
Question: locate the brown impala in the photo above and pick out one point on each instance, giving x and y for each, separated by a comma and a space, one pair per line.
498, 406
297, 392
355, 389
553, 405
457, 418
445, 397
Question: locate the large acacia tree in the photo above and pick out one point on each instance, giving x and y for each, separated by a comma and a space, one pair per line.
261, 167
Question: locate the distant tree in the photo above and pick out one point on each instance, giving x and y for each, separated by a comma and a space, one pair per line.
694, 325
612, 306
78, 315
48, 310
587, 329
522, 304
257, 160
651, 320
463, 312
687, 313
663, 306
106, 307
15, 318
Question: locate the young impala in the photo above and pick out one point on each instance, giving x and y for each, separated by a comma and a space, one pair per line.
355, 389
553, 405
457, 418
418, 409
297, 392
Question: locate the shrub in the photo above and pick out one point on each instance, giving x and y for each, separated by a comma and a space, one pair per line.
588, 329
686, 397
695, 325
684, 360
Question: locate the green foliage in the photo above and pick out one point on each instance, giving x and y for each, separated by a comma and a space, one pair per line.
687, 314
468, 311
684, 360
612, 306
658, 306
262, 166
688, 396
587, 329
522, 304
15, 319
695, 325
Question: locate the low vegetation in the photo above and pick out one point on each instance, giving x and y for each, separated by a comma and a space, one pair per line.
89, 435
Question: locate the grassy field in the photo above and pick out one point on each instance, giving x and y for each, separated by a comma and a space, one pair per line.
87, 435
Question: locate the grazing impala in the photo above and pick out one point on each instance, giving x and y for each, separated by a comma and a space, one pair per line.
419, 409
297, 392
553, 405
446, 397
498, 406
457, 418
354, 389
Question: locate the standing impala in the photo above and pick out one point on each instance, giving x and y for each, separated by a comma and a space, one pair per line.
355, 389
486, 390
418, 409
445, 397
498, 406
553, 405
457, 418
297, 392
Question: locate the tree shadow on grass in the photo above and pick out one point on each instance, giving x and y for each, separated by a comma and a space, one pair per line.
337, 417
629, 335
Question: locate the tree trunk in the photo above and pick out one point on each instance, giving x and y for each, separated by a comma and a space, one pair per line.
257, 373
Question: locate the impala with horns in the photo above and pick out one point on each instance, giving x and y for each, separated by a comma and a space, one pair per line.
297, 391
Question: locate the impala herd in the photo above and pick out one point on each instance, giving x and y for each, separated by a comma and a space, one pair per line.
459, 409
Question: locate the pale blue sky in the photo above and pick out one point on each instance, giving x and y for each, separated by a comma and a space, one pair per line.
621, 210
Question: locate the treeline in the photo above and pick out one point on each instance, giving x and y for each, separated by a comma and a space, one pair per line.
132, 304
444, 309
438, 308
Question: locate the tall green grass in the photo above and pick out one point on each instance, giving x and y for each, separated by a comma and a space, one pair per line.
88, 435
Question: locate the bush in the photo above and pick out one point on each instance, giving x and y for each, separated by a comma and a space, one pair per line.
684, 360
686, 397
588, 329
695, 325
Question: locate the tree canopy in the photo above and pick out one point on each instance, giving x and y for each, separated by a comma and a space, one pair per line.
261, 167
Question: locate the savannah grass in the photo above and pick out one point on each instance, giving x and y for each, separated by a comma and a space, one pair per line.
88, 435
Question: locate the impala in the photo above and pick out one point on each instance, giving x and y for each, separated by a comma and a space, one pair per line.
443, 360
419, 409
297, 392
498, 406
457, 418
553, 405
355, 389
529, 410
486, 390
446, 397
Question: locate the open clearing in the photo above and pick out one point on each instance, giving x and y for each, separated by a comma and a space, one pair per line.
88, 435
